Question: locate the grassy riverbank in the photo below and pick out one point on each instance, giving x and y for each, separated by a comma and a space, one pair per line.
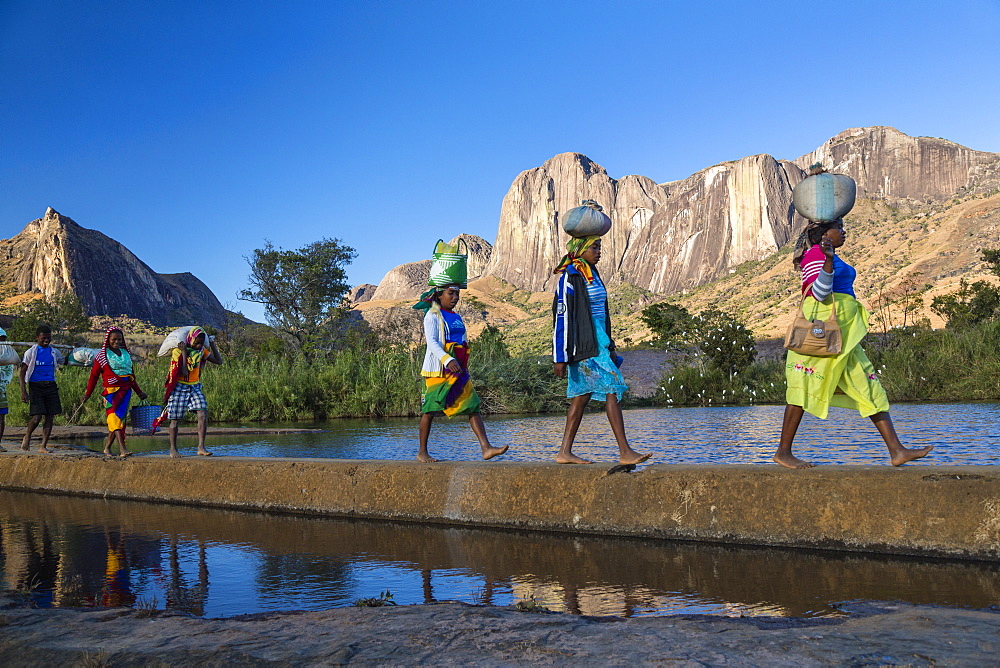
914, 364
348, 383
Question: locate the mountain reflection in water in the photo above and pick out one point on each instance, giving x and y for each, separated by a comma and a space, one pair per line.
70, 552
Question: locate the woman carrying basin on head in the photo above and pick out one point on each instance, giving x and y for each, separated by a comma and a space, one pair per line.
848, 379
581, 343
113, 366
448, 389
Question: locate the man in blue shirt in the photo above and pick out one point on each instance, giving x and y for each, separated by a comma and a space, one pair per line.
41, 392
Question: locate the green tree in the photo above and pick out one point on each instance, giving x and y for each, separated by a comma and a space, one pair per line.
972, 303
992, 258
62, 312
490, 345
302, 290
671, 323
725, 341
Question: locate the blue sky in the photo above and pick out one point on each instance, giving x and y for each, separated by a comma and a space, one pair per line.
193, 131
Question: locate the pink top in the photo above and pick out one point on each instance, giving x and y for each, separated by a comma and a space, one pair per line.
812, 264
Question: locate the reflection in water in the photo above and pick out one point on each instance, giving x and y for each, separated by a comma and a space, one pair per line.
66, 551
961, 434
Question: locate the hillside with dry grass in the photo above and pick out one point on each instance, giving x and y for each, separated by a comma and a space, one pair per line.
905, 252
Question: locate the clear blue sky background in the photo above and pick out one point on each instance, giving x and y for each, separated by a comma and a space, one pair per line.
193, 131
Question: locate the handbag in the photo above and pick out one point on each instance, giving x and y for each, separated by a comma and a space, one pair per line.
816, 338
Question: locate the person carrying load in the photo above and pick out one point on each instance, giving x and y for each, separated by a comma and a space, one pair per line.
183, 387
113, 365
448, 389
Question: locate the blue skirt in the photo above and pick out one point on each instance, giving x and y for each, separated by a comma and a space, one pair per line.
598, 376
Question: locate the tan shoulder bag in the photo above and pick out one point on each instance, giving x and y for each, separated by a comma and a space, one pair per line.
816, 338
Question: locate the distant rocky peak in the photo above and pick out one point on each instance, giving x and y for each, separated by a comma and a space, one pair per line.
54, 254
887, 163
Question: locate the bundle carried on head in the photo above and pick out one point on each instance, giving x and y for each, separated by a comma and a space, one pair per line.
449, 265
586, 224
587, 220
186, 334
823, 197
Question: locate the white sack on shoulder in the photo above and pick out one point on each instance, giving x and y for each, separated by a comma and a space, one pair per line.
173, 339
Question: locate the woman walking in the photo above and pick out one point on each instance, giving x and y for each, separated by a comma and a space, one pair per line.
447, 387
847, 380
113, 365
583, 349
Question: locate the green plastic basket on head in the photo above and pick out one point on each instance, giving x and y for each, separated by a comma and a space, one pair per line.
449, 266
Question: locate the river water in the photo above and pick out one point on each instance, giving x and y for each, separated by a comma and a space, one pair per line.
72, 552
966, 433
67, 551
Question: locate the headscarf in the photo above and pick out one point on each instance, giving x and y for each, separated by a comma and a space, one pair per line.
804, 243
102, 355
195, 355
427, 300
577, 247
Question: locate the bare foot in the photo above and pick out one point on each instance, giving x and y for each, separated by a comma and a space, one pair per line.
571, 459
3, 449
634, 458
107, 452
25, 448
44, 450
426, 459
204, 453
909, 454
490, 453
175, 455
790, 462
125, 454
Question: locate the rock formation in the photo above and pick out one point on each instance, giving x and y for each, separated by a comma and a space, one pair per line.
480, 252
665, 236
361, 293
407, 281
887, 163
54, 254
671, 236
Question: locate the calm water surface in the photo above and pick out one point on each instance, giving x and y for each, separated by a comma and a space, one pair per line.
961, 434
71, 552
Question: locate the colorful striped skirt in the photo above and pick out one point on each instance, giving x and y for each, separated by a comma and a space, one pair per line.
116, 401
451, 394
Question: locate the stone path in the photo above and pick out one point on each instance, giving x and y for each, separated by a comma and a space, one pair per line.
455, 633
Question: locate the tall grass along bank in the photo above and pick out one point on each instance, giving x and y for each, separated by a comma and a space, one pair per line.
348, 383
914, 364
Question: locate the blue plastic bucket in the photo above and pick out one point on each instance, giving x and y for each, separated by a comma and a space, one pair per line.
143, 417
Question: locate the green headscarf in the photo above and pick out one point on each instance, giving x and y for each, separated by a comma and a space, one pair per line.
577, 247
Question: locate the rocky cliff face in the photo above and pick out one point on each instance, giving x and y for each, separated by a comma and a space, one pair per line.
53, 254
360, 294
889, 164
671, 236
664, 236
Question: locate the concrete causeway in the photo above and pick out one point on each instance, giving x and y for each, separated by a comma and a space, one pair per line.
918, 510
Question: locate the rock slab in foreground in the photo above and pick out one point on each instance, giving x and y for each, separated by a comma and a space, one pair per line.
456, 633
